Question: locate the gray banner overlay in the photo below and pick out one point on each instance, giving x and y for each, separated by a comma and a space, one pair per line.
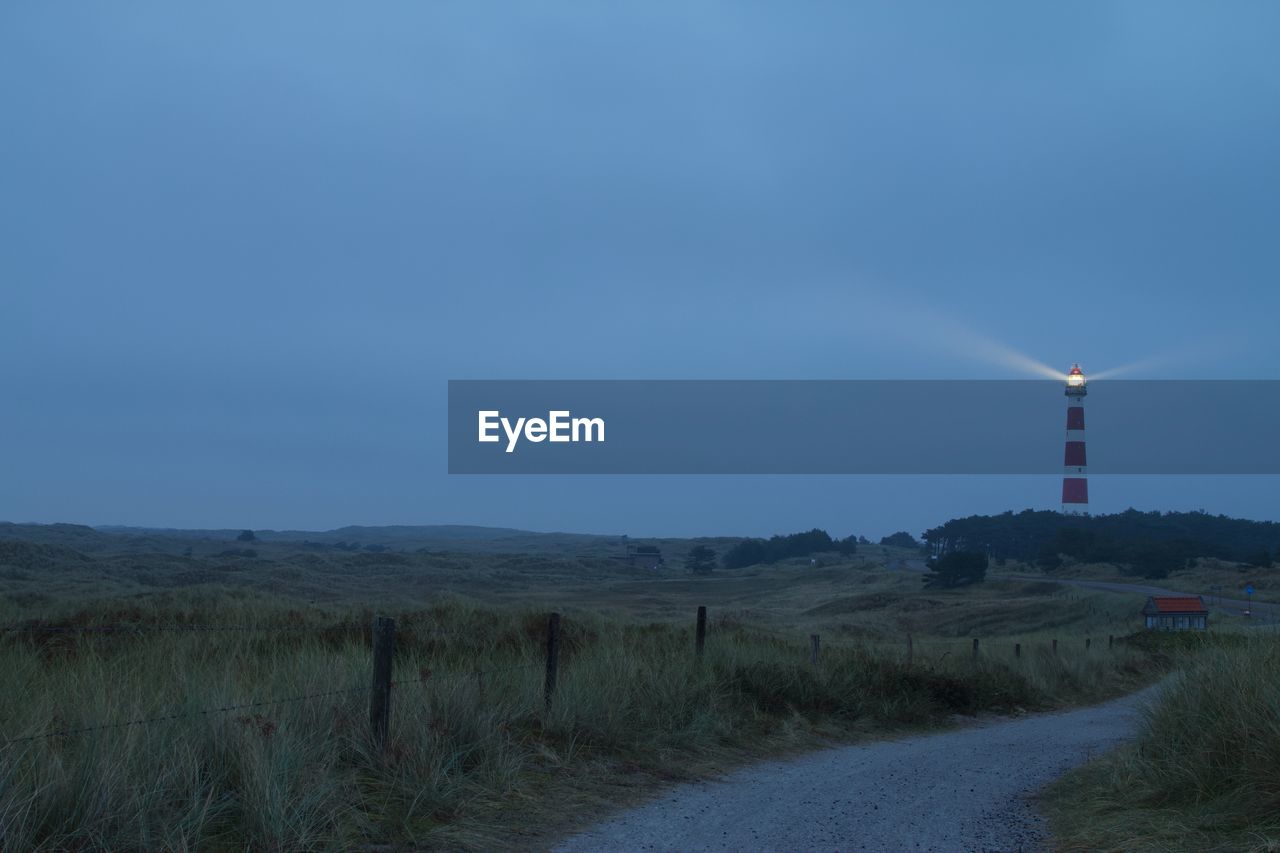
861, 427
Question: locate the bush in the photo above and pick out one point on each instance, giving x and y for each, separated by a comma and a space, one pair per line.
956, 569
700, 560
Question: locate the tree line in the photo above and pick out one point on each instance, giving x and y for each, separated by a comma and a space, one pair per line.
1150, 544
775, 549
750, 552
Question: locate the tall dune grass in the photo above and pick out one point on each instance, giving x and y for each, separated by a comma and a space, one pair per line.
472, 759
1204, 773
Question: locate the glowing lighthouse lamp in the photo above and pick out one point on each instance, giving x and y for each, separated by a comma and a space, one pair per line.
1075, 487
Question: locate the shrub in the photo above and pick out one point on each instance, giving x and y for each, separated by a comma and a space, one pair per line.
956, 569
700, 560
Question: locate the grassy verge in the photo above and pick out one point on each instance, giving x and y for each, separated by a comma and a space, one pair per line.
1204, 773
1208, 577
472, 760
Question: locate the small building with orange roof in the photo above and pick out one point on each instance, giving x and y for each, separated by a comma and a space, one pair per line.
1176, 613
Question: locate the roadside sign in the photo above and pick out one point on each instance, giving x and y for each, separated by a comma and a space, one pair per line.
1248, 590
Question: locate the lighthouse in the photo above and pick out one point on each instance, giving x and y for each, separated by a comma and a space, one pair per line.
1075, 487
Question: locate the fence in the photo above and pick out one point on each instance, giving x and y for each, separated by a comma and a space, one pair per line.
383, 665
977, 649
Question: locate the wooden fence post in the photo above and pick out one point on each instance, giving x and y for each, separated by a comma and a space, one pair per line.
975, 648
700, 634
1111, 640
909, 650
1087, 641
1017, 650
814, 647
1055, 645
553, 658
384, 649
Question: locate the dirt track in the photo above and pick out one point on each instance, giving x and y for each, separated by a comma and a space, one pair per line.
962, 790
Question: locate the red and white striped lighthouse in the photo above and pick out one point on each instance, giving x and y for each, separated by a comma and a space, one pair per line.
1075, 487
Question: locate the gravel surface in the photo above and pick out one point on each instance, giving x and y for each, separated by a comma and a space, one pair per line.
961, 790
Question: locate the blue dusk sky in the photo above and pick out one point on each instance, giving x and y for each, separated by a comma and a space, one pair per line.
245, 245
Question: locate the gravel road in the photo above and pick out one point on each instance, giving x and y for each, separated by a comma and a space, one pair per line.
961, 790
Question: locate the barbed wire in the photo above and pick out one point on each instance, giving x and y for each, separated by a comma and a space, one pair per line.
467, 673
539, 665
186, 714
139, 629
136, 629
878, 645
243, 706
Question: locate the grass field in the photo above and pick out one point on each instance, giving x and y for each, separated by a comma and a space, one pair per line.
474, 760
1202, 775
1208, 577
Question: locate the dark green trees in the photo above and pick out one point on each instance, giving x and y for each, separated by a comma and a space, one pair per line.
955, 569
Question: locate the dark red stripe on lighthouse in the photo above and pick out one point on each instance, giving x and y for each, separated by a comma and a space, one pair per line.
1075, 490
1075, 417
1074, 455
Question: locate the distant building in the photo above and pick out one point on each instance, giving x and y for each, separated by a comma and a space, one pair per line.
1176, 613
645, 557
